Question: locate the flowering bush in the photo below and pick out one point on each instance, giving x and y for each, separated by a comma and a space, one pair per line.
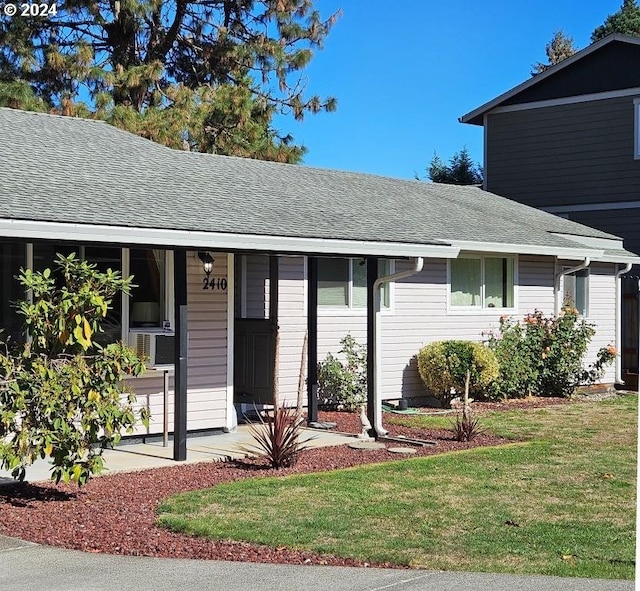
543, 355
344, 383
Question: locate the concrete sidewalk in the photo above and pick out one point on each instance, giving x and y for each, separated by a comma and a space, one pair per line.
25, 567
221, 446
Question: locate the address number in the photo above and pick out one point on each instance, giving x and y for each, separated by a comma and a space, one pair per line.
216, 283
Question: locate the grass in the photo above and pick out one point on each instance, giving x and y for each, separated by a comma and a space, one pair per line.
559, 501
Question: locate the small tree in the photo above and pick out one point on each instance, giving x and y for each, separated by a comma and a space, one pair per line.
445, 366
461, 170
61, 393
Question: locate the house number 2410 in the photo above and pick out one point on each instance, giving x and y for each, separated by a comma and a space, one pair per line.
217, 283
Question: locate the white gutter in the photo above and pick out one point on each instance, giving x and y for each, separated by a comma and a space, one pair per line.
418, 263
561, 274
619, 274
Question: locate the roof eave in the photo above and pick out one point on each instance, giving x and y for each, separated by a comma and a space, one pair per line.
476, 117
171, 238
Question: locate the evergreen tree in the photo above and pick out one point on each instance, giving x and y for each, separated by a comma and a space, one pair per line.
625, 21
461, 170
204, 74
559, 48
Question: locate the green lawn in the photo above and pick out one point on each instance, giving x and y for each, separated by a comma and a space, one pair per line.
561, 502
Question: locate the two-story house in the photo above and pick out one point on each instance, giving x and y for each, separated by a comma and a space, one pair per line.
568, 141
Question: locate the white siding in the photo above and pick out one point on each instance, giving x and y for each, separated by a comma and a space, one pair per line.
419, 315
207, 357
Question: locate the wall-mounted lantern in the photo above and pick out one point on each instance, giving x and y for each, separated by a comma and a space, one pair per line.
207, 262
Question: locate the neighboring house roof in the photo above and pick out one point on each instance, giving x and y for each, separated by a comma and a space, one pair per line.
605, 66
77, 179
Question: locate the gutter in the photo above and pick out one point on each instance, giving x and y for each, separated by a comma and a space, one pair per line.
418, 263
583, 265
618, 276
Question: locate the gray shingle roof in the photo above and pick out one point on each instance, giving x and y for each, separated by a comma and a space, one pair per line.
59, 169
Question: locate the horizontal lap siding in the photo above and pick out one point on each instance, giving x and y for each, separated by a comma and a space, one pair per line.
602, 312
421, 317
207, 357
579, 153
620, 222
207, 362
292, 322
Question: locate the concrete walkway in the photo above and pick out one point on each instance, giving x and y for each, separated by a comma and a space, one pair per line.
26, 567
140, 456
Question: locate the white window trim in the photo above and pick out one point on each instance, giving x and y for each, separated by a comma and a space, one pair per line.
587, 295
470, 310
636, 128
360, 311
169, 297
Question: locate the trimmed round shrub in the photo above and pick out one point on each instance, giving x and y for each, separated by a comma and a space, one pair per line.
443, 367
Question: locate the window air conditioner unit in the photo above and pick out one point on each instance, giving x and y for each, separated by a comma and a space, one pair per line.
156, 348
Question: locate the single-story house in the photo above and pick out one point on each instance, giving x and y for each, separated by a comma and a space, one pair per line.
229, 253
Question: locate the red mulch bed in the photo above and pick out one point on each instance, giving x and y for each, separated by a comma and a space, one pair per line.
116, 513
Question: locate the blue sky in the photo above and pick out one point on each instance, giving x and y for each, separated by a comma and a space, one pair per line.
403, 76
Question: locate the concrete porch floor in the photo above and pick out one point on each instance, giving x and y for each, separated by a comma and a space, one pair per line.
141, 456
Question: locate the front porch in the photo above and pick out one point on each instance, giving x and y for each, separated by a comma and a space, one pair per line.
133, 457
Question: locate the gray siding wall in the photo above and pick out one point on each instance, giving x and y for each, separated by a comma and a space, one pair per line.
566, 154
419, 315
207, 357
621, 222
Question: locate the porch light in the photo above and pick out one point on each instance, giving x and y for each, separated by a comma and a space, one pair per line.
207, 262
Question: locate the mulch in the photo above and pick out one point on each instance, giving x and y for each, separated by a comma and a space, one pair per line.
116, 513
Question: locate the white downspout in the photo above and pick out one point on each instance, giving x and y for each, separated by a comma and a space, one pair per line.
619, 274
583, 265
418, 263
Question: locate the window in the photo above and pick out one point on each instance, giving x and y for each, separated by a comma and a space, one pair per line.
342, 283
148, 307
576, 291
482, 282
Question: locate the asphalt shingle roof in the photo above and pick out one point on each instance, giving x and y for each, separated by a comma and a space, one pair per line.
62, 169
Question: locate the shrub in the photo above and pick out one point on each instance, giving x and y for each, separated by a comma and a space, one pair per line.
61, 392
543, 355
444, 366
344, 383
278, 438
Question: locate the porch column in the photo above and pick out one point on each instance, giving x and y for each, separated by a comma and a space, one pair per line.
274, 284
372, 275
312, 340
180, 356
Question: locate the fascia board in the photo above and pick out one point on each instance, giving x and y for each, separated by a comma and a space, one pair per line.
91, 233
542, 76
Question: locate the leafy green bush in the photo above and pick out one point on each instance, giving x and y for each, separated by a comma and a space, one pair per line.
61, 392
543, 355
344, 383
443, 367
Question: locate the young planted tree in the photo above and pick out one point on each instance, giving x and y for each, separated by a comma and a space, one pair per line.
208, 75
62, 395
